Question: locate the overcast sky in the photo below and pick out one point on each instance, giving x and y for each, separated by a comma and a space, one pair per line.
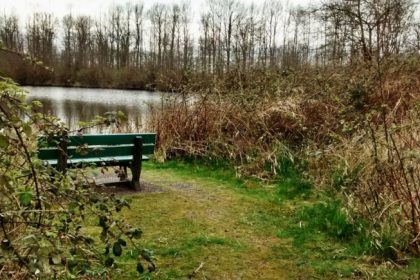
24, 8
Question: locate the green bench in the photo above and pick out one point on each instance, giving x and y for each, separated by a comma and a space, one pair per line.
124, 150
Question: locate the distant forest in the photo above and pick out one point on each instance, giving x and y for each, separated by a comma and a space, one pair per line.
163, 47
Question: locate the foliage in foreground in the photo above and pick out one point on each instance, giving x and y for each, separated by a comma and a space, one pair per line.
44, 214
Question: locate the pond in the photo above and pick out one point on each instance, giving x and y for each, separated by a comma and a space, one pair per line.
73, 105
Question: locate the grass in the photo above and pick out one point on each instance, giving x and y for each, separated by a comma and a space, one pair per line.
243, 229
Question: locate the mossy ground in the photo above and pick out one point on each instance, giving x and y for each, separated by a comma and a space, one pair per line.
239, 230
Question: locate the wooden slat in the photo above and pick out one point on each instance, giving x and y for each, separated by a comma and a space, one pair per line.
99, 139
111, 139
94, 151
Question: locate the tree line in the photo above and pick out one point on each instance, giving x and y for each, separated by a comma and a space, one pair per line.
131, 46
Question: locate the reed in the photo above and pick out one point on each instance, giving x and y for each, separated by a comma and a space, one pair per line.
351, 129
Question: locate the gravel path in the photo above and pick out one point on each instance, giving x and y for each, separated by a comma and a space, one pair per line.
109, 183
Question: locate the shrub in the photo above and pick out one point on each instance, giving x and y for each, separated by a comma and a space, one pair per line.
52, 225
355, 127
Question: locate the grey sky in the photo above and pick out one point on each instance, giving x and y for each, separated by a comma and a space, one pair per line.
24, 8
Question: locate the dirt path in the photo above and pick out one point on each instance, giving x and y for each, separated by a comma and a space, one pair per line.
204, 226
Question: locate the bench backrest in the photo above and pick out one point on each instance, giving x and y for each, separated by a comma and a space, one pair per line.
96, 145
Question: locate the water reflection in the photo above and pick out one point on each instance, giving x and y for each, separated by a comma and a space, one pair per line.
73, 105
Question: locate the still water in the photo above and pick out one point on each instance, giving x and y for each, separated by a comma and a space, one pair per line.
73, 105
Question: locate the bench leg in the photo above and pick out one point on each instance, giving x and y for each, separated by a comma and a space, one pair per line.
135, 181
136, 164
136, 171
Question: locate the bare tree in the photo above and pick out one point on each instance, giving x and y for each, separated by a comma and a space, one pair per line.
157, 16
374, 28
139, 32
40, 36
269, 35
83, 25
68, 39
10, 34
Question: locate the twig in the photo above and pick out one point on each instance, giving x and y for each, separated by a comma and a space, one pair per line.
191, 275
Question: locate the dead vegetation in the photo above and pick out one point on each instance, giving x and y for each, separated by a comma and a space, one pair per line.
355, 131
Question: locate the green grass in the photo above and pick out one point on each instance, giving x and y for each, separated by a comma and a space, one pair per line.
244, 229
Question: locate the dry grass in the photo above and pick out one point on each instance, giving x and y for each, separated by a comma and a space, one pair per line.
341, 122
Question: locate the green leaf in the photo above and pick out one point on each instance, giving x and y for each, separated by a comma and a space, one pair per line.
134, 233
109, 262
120, 115
56, 259
122, 242
117, 249
140, 268
27, 129
25, 198
37, 103
4, 141
147, 255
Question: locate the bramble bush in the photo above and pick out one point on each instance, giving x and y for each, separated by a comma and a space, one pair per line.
54, 225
